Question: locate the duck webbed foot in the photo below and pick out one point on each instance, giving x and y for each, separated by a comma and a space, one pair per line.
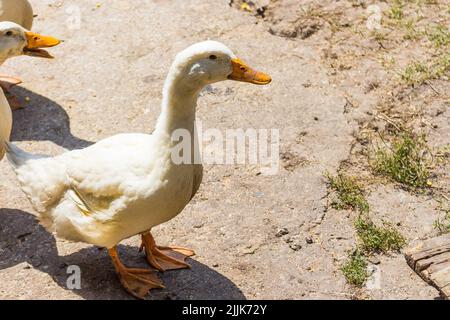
164, 258
6, 83
137, 282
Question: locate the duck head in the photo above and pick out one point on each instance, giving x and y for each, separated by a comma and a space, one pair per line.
16, 41
209, 62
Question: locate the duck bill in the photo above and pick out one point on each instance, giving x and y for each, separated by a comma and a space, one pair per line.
242, 72
36, 43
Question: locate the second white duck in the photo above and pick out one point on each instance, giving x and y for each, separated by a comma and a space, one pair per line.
16, 41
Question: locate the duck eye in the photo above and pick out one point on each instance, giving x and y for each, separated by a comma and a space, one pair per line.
9, 33
212, 57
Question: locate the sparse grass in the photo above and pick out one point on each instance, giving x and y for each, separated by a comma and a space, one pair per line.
374, 238
442, 66
349, 193
388, 62
404, 161
416, 73
439, 35
396, 11
412, 33
355, 269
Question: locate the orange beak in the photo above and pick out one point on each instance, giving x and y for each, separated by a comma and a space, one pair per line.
35, 43
242, 72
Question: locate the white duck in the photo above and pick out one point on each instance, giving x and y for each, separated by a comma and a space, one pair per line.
21, 13
16, 41
127, 184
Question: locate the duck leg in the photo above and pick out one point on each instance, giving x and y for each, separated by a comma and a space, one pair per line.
164, 258
6, 83
137, 282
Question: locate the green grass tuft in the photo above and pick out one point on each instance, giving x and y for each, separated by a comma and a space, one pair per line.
442, 66
439, 35
375, 239
416, 73
349, 193
404, 161
355, 269
396, 11
412, 33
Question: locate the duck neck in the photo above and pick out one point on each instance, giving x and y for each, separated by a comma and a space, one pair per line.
6, 53
178, 107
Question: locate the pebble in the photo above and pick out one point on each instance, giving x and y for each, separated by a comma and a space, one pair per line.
309, 240
295, 246
281, 232
374, 260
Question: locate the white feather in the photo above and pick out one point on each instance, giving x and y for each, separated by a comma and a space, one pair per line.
126, 184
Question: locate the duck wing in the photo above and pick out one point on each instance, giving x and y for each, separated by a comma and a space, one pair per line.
95, 179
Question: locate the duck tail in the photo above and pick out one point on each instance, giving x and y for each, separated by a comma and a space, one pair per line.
16, 156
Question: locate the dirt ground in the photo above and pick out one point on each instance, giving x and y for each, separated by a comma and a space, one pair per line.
332, 80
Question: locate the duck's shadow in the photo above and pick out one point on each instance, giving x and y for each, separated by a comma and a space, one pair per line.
43, 119
22, 239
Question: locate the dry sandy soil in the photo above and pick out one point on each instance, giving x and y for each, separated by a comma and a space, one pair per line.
329, 81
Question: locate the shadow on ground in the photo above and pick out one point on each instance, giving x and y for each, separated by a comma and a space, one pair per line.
22, 239
43, 120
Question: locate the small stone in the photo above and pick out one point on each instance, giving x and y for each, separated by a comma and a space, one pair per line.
295, 246
215, 265
281, 232
249, 250
309, 240
374, 260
